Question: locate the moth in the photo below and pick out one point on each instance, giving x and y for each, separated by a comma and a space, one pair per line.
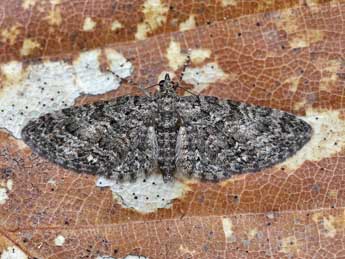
131, 137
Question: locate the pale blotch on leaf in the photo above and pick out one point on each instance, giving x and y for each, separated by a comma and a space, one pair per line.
5, 187
13, 252
26, 4
304, 39
29, 45
13, 72
228, 231
328, 138
292, 83
54, 16
89, 24
116, 25
270, 215
288, 21
59, 240
229, 2
188, 24
9, 184
55, 2
197, 56
10, 34
301, 104
145, 195
328, 223
298, 37
51, 181
46, 86
332, 194
154, 16
329, 70
202, 77
118, 63
175, 58
184, 250
3, 195
289, 245
252, 233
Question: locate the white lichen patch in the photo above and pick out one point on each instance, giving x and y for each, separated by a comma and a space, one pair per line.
10, 34
202, 77
5, 187
118, 64
3, 195
59, 240
197, 56
116, 25
270, 215
188, 24
53, 85
13, 252
328, 138
228, 231
51, 181
229, 2
145, 195
174, 55
54, 16
9, 184
29, 45
87, 68
89, 24
154, 16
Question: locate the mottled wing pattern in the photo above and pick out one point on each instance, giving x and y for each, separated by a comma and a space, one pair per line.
113, 138
219, 138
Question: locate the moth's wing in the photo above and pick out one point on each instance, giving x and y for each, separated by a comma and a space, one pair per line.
219, 138
111, 138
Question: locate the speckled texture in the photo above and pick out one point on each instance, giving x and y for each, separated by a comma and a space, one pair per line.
199, 136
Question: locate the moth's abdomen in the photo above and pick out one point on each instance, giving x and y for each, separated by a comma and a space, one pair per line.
167, 137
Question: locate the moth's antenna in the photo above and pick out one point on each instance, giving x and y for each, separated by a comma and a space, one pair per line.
131, 82
185, 65
187, 90
123, 79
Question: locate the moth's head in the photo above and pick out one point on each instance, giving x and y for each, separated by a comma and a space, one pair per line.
167, 85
